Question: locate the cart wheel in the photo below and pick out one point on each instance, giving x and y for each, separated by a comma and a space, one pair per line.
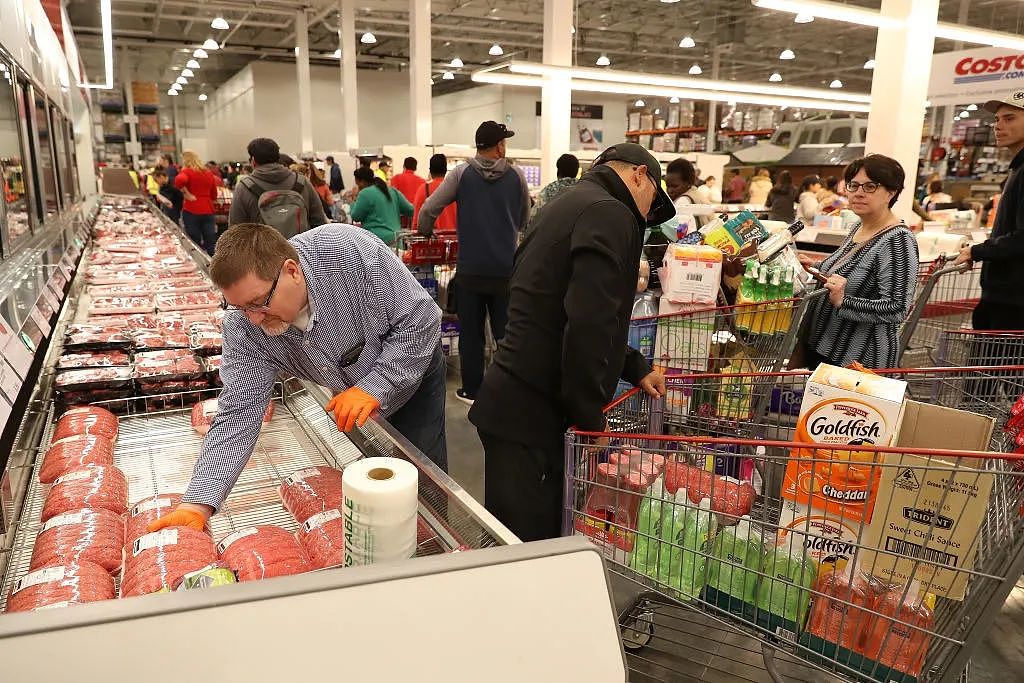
638, 630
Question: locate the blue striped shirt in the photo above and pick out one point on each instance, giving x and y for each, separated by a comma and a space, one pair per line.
360, 294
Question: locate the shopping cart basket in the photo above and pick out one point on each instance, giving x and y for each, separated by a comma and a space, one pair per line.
415, 250
793, 583
946, 298
980, 347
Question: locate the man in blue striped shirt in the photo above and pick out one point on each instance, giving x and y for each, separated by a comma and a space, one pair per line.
335, 306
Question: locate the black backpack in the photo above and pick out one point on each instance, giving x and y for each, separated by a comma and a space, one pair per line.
285, 210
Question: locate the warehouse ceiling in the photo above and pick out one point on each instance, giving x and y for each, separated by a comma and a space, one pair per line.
157, 37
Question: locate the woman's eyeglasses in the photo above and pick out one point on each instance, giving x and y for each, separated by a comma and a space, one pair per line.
868, 187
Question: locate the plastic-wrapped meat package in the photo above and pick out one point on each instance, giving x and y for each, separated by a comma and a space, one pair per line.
322, 536
146, 511
96, 337
93, 535
61, 586
212, 365
157, 561
73, 398
86, 420
166, 364
94, 378
189, 300
140, 321
112, 275
180, 285
132, 288
263, 552
311, 490
104, 305
93, 486
73, 452
205, 338
160, 339
92, 359
204, 412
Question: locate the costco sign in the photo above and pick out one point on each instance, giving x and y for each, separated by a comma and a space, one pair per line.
974, 75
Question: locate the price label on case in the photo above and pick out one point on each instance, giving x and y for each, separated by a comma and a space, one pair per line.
41, 321
19, 356
10, 383
52, 298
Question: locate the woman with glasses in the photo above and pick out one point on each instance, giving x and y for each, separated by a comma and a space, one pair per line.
870, 278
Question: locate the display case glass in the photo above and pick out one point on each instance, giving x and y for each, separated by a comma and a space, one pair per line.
15, 224
60, 143
45, 167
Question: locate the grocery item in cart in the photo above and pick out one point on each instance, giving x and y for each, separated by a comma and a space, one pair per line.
839, 615
263, 552
686, 533
92, 359
204, 412
92, 486
735, 560
732, 235
114, 377
311, 490
842, 407
157, 561
323, 538
900, 636
145, 511
610, 510
729, 497
782, 594
61, 585
73, 452
86, 420
683, 338
93, 535
830, 538
652, 515
693, 274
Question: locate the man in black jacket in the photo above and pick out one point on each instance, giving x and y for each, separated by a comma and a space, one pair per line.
1002, 254
564, 348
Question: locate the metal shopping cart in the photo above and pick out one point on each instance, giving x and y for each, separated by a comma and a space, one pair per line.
945, 299
795, 588
980, 347
431, 260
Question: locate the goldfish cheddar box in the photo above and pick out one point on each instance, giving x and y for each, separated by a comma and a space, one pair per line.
841, 410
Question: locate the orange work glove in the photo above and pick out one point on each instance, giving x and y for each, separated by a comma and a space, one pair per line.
180, 516
352, 407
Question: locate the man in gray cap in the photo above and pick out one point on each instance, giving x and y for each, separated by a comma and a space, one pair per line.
565, 347
1002, 254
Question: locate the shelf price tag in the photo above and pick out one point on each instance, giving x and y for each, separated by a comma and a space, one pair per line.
18, 356
10, 383
41, 320
59, 280
53, 295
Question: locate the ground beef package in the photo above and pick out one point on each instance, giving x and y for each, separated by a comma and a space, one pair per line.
86, 420
60, 586
146, 511
263, 552
93, 535
157, 561
92, 486
73, 452
311, 490
322, 536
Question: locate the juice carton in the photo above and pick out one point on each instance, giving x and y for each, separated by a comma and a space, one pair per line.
842, 407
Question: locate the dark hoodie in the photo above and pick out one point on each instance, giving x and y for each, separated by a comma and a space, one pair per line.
572, 291
245, 203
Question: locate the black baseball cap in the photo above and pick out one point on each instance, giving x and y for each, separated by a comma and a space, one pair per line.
662, 208
490, 133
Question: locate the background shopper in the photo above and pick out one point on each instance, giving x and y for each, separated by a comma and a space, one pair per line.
567, 169
407, 182
737, 187
379, 208
760, 186
448, 219
810, 186
171, 198
935, 196
199, 187
269, 173
782, 199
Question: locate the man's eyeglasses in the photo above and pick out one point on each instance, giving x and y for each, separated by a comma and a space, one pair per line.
255, 308
869, 187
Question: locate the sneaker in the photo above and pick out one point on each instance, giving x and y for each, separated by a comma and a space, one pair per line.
464, 397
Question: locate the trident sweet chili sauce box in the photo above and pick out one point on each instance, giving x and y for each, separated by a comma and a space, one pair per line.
842, 409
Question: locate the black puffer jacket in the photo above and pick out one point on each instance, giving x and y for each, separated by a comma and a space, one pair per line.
1002, 272
571, 295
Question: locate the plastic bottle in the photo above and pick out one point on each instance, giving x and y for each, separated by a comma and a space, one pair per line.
736, 555
789, 573
786, 292
839, 615
899, 638
684, 559
642, 332
744, 314
772, 324
768, 249
654, 514
757, 325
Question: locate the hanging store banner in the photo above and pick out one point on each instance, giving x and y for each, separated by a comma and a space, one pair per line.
975, 76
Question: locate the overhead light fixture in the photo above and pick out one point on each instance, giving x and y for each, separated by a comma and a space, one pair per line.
368, 38
210, 44
203, 97
639, 103
495, 51
670, 2
603, 61
695, 70
108, 50
193, 64
830, 10
968, 34
175, 86
172, 93
870, 64
775, 78
674, 100
803, 18
687, 41
181, 79
337, 53
456, 63
836, 83
448, 76
972, 107
188, 73
220, 23
200, 53
431, 81
787, 54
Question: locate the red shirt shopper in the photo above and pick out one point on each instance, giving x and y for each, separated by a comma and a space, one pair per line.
200, 189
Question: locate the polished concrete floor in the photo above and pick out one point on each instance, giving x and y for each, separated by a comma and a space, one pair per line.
690, 646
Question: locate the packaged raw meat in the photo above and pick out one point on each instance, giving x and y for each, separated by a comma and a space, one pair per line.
311, 490
157, 561
73, 452
84, 337
120, 305
187, 301
146, 511
86, 420
204, 412
94, 378
93, 535
92, 359
263, 552
212, 365
159, 339
69, 399
167, 364
131, 288
92, 486
205, 339
61, 586
322, 536
182, 285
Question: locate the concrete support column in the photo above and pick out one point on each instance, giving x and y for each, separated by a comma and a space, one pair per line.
899, 87
129, 108
347, 42
716, 61
305, 90
556, 94
421, 116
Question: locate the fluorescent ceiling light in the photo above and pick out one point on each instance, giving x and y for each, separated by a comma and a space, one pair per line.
456, 63
495, 51
830, 10
200, 53
175, 87
803, 18
670, 2
220, 23
368, 39
787, 54
695, 70
695, 84
337, 53
972, 107
870, 64
192, 64
836, 83
448, 76
968, 34
210, 44
181, 79
108, 50
639, 103
188, 73
172, 93
687, 41
603, 61
775, 77
674, 100
203, 97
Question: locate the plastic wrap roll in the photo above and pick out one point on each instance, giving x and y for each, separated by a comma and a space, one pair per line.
379, 506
